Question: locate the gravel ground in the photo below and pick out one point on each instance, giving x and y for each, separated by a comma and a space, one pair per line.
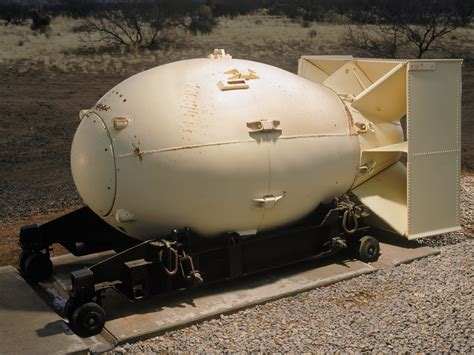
424, 306
38, 118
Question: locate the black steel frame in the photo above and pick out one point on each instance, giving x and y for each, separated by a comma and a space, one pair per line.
184, 259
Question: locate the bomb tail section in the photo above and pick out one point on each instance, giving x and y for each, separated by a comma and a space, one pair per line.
419, 197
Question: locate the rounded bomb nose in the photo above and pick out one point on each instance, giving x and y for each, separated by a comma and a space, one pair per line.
93, 164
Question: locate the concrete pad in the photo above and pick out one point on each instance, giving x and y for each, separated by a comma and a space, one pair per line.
129, 322
142, 320
65, 264
27, 324
403, 253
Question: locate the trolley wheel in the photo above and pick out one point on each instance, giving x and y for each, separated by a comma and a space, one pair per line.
69, 308
369, 249
88, 319
35, 266
25, 254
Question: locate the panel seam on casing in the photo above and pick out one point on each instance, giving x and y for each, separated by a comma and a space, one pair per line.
458, 129
408, 150
186, 147
435, 152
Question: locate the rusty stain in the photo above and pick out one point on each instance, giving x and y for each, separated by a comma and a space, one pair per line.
349, 119
136, 151
102, 107
190, 108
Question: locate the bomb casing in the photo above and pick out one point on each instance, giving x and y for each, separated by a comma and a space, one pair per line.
222, 145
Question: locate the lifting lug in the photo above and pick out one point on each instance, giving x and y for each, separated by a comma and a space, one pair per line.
172, 255
190, 274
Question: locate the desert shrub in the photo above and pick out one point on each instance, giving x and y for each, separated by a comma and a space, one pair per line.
40, 21
377, 41
202, 21
457, 49
14, 14
80, 28
308, 10
372, 11
146, 24
305, 24
233, 8
418, 25
127, 26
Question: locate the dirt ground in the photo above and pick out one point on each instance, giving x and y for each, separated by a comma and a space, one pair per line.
37, 123
41, 93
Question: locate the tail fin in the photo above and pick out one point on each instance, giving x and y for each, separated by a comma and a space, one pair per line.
421, 199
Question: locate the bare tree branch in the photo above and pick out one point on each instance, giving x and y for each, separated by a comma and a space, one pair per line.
132, 25
420, 31
141, 23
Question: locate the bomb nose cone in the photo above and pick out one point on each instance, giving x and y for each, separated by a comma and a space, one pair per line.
93, 164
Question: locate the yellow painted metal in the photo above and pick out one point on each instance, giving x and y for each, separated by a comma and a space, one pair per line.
188, 153
386, 99
223, 145
422, 199
348, 79
93, 165
397, 147
375, 69
385, 194
434, 142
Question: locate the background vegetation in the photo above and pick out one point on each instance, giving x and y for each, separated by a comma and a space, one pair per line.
136, 24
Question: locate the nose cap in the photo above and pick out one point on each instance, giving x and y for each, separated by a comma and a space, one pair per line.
93, 164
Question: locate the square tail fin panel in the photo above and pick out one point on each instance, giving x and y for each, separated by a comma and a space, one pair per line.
419, 198
434, 147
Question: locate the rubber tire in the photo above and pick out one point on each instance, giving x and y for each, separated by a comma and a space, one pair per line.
69, 309
369, 249
88, 319
24, 255
37, 267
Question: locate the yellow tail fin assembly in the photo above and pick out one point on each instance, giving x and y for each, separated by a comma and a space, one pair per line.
419, 198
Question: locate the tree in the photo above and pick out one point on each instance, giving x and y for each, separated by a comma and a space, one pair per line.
416, 24
202, 21
132, 25
430, 25
384, 41
14, 14
40, 21
138, 24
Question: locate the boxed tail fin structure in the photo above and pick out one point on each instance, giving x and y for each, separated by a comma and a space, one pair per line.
420, 198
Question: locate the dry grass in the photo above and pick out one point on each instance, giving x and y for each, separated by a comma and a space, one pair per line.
273, 40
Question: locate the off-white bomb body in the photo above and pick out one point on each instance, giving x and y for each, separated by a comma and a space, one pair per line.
217, 145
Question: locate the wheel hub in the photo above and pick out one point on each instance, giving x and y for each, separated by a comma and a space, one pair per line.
91, 320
